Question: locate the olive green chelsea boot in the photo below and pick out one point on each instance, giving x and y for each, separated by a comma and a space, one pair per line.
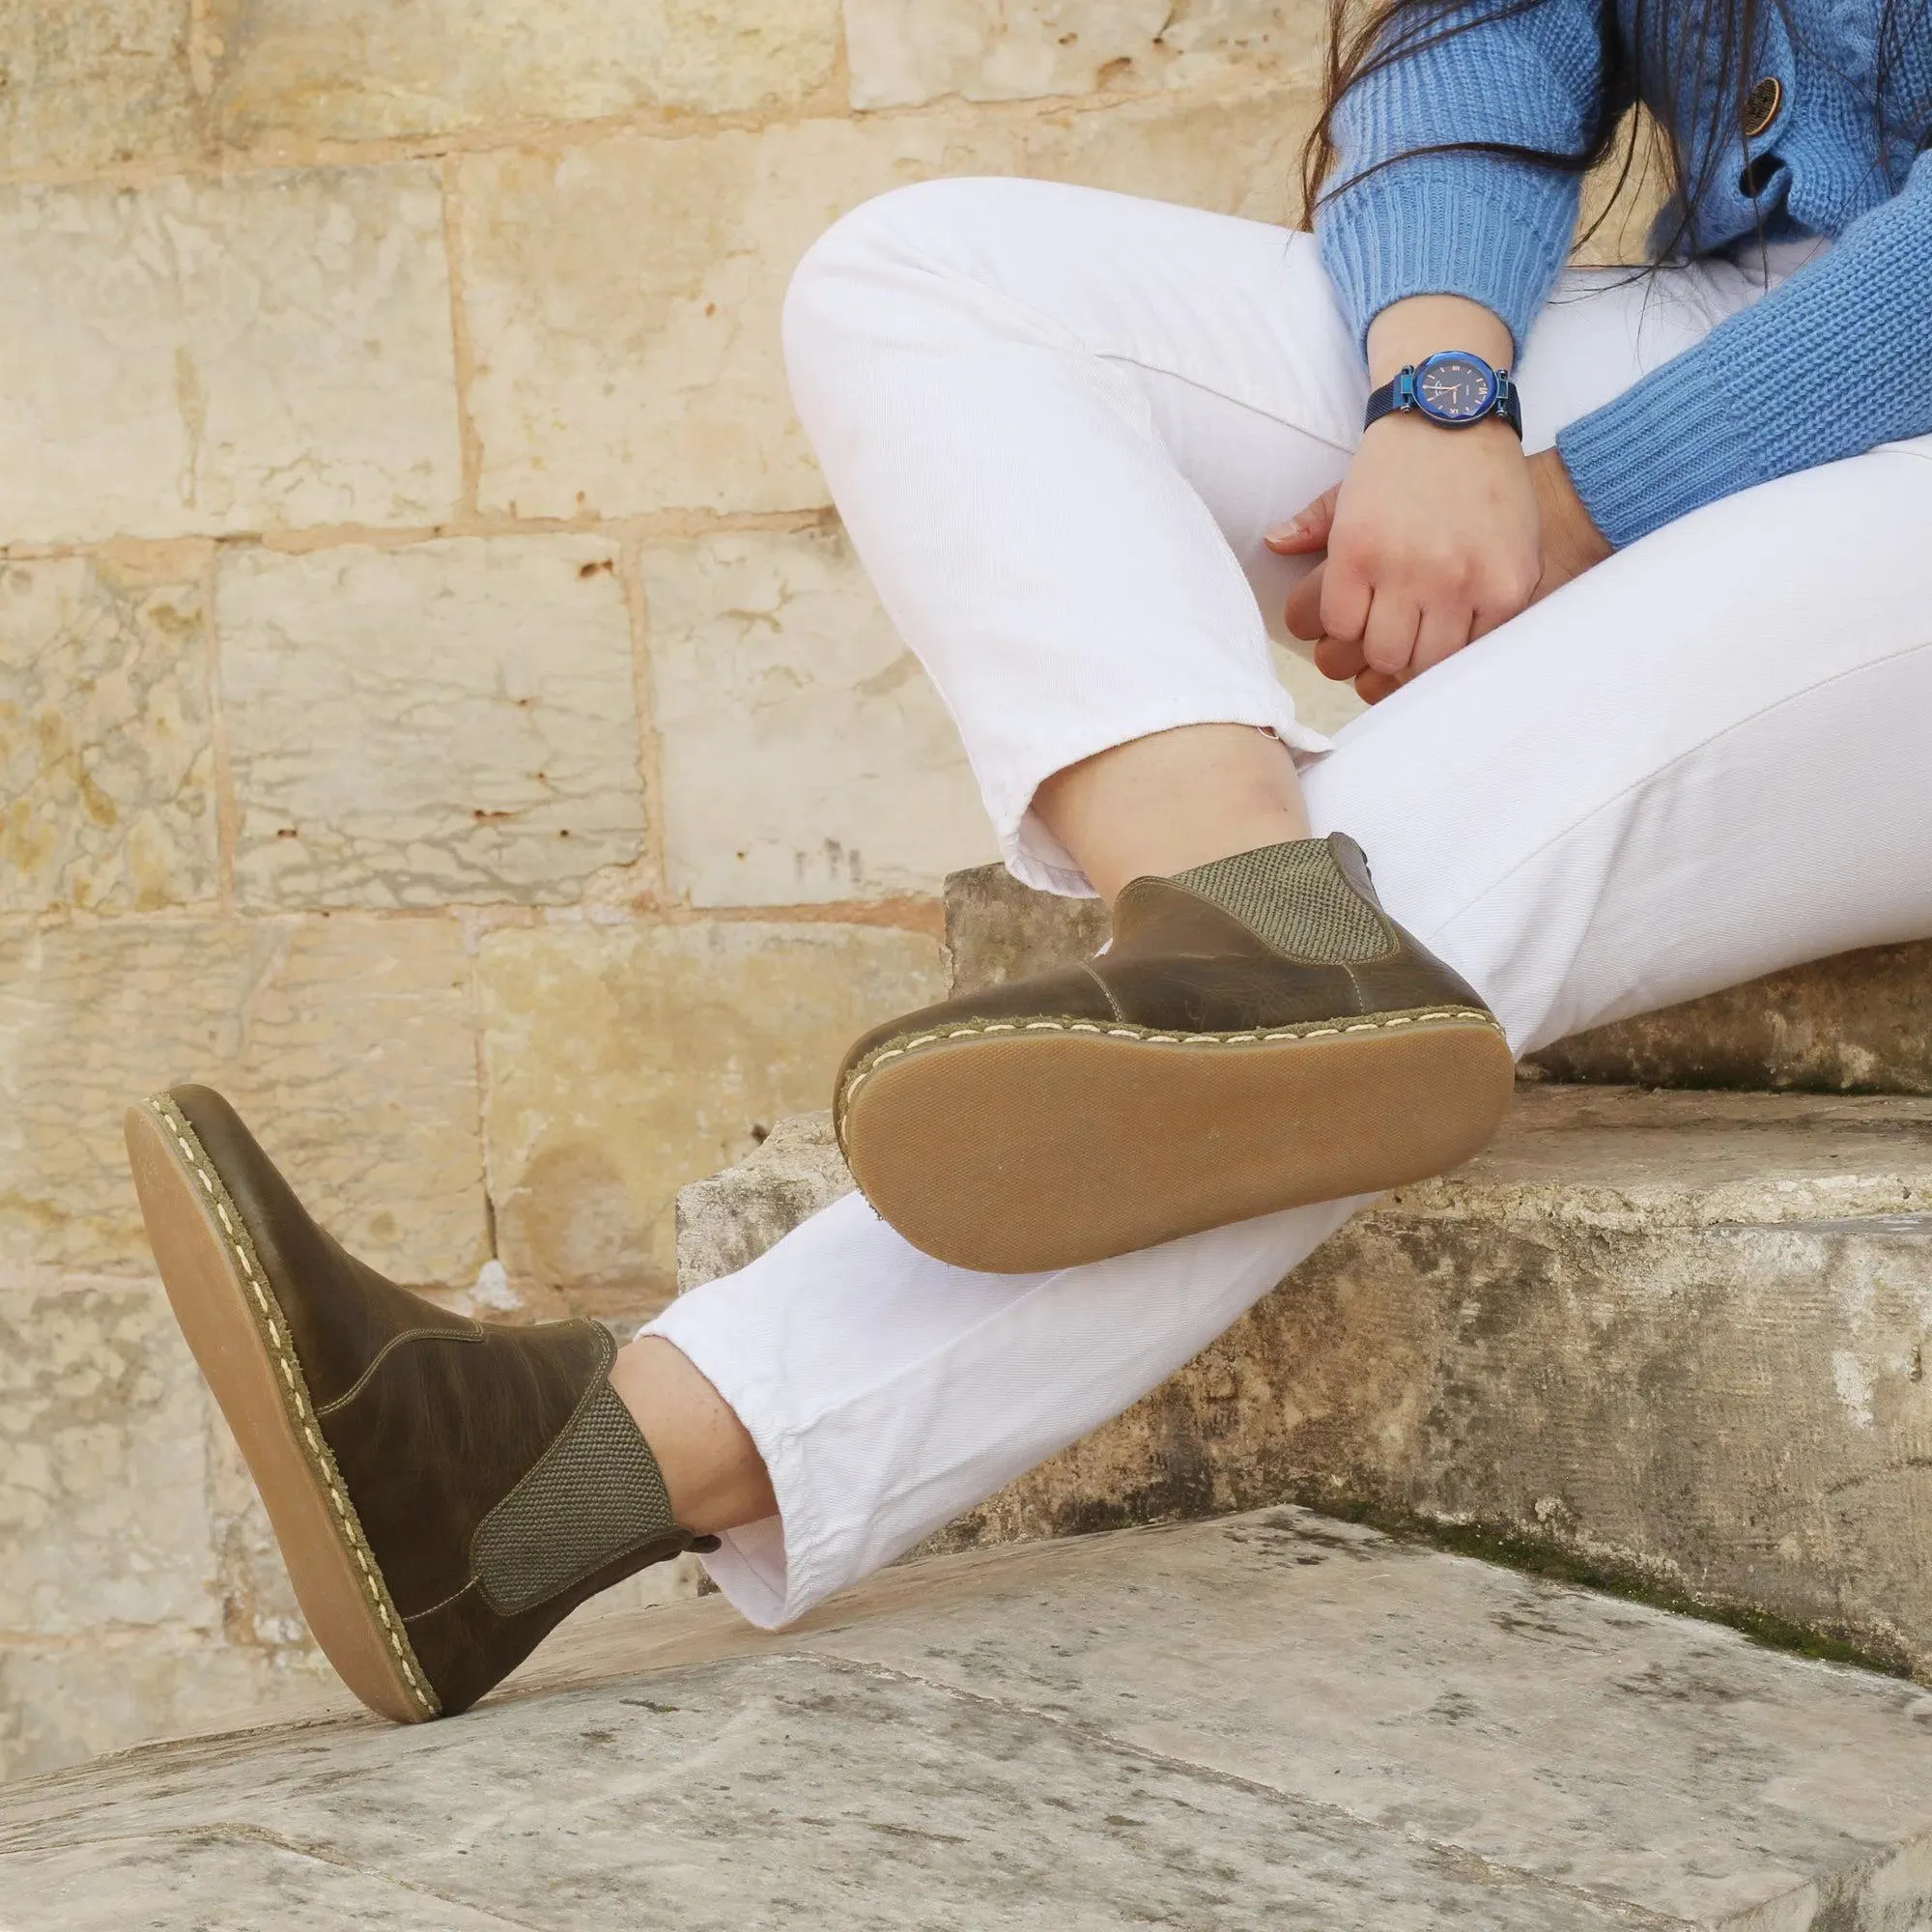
445, 1491
1260, 1034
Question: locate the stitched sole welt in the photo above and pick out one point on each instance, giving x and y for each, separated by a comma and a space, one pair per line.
1020, 1148
228, 1312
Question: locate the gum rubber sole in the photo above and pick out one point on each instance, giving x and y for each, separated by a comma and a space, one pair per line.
1026, 1151
239, 1340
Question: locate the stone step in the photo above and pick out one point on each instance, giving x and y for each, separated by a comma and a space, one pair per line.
1674, 1340
1861, 1023
1267, 1721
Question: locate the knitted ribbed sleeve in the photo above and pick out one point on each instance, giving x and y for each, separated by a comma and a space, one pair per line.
1834, 361
1477, 225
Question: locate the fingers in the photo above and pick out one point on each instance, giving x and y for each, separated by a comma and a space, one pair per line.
1438, 635
1340, 658
1443, 631
1303, 612
1345, 600
1388, 637
1307, 530
1485, 617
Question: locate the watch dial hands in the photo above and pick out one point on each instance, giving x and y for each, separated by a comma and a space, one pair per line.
1454, 388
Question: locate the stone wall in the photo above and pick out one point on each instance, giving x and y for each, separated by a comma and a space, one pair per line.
436, 704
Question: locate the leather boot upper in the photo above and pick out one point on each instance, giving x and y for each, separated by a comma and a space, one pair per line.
1289, 936
436, 1421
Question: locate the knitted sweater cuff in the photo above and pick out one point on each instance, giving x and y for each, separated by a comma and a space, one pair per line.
1475, 225
1669, 444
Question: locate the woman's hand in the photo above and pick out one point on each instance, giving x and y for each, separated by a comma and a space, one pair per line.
1437, 535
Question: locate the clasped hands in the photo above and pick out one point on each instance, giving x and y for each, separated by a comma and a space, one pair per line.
1437, 535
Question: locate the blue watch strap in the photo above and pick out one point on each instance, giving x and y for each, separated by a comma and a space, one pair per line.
1397, 393
1508, 403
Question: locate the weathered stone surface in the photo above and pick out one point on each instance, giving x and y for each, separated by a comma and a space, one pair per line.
372, 69
348, 1043
106, 738
1237, 153
64, 1701
903, 53
1355, 1733
226, 353
121, 1616
625, 1060
649, 375
103, 1465
727, 1221
806, 754
1677, 1336
998, 929
1861, 1023
451, 721
88, 86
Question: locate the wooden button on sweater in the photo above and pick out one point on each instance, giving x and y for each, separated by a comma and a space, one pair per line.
1761, 106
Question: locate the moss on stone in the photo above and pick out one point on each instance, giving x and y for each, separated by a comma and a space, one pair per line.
1492, 1543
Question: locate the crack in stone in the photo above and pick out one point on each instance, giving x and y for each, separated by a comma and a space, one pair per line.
1465, 1857
233, 1832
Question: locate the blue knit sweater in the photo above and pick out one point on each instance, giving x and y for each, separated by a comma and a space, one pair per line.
1836, 359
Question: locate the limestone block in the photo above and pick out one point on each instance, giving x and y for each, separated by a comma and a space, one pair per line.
806, 754
62, 1702
998, 929
103, 1504
650, 377
106, 738
623, 1061
372, 69
1235, 153
903, 53
1861, 1023
219, 353
728, 1220
624, 295
91, 85
1271, 1720
346, 1043
451, 721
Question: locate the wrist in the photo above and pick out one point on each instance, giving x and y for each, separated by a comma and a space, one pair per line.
1568, 526
1417, 326
1454, 389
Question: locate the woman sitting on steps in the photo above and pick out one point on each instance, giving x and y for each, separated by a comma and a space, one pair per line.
1636, 571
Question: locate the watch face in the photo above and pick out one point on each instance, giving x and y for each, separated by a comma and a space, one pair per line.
1455, 388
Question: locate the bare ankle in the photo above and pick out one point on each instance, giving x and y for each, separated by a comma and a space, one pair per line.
711, 1467
1181, 798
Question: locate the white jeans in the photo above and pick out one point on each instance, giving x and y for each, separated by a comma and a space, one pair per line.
1057, 422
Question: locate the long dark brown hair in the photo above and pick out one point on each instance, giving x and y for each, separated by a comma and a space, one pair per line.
1690, 63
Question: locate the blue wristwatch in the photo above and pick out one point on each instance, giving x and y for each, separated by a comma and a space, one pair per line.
1452, 388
